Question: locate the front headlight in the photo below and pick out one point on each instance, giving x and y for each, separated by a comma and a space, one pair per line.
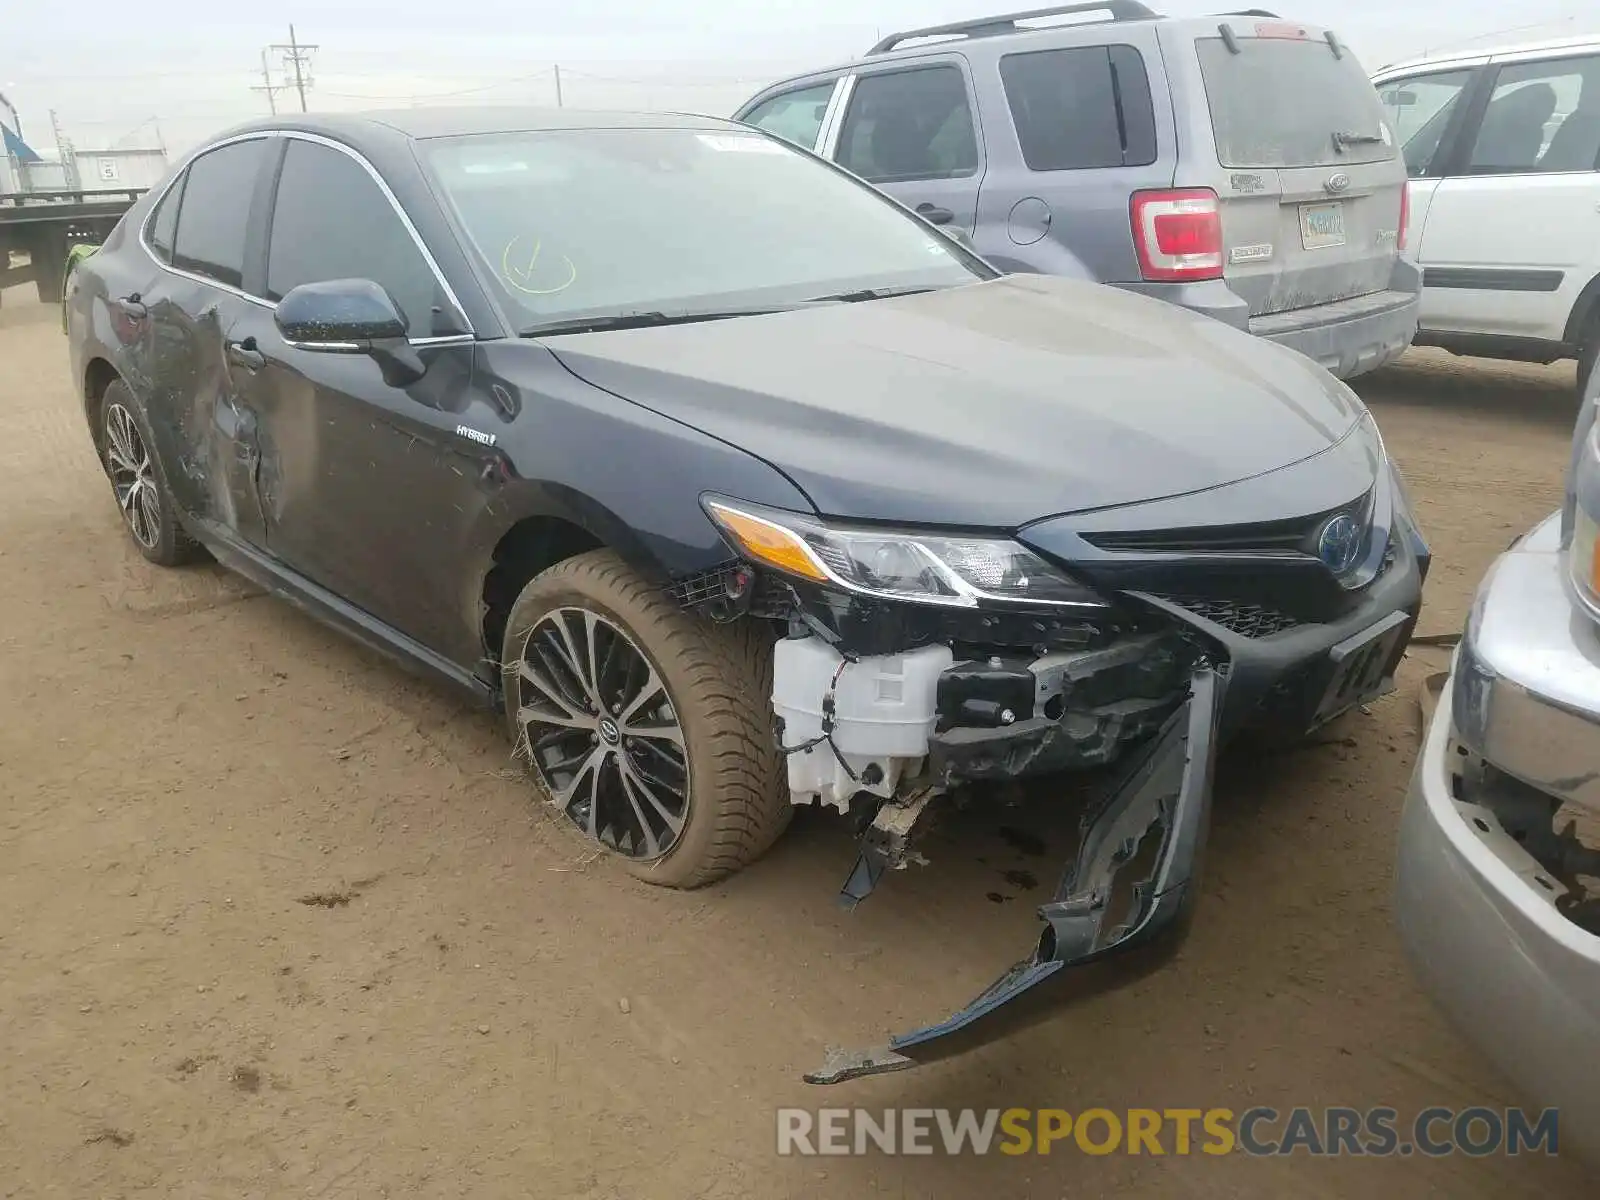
924, 568
1583, 564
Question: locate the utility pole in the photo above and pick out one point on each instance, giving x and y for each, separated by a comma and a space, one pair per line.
296, 57
558, 84
266, 85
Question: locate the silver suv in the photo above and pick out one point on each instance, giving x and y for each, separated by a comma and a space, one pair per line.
1239, 165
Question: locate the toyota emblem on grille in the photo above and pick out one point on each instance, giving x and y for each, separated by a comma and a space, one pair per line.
1337, 182
1339, 543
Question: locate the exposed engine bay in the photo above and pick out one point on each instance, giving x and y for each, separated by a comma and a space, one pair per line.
881, 709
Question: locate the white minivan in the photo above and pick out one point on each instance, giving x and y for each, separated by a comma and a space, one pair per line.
1503, 152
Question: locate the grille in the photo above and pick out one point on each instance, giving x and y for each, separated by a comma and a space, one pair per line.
1297, 535
1247, 620
711, 586
691, 591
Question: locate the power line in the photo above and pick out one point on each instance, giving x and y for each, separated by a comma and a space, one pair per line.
266, 85
297, 57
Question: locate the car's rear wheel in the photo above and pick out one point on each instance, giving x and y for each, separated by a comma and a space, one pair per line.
139, 483
646, 726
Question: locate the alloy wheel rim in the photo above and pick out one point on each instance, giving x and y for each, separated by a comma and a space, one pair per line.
600, 728
133, 477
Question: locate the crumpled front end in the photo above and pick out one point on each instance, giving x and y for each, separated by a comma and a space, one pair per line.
1496, 893
1133, 657
1110, 921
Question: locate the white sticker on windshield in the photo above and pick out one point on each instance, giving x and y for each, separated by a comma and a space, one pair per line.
492, 166
1383, 132
740, 143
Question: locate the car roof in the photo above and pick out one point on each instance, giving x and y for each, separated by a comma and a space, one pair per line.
455, 121
1025, 37
1481, 54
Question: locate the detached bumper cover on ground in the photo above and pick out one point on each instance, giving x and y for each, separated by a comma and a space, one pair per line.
1086, 945
1489, 924
1124, 903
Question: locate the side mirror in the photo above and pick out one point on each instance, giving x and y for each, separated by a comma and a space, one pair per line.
350, 316
338, 314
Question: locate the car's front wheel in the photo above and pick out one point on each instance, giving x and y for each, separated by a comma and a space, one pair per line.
648, 727
139, 483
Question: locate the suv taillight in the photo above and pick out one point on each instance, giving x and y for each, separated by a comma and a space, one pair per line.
1405, 216
1178, 234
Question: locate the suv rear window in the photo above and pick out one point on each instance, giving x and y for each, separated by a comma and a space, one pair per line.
1079, 108
1280, 101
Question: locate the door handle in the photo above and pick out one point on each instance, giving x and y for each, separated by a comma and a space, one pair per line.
132, 307
935, 215
245, 354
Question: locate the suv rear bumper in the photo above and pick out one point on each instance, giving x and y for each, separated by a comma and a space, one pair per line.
1348, 337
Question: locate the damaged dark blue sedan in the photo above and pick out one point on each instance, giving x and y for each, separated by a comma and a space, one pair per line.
735, 485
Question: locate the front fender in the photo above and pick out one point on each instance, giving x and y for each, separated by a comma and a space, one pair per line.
629, 477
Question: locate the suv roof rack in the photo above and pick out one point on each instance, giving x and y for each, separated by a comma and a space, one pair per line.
1120, 10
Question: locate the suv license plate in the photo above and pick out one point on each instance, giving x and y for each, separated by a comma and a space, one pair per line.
1359, 665
1322, 225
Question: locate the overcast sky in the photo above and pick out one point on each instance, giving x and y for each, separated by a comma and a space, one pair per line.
125, 74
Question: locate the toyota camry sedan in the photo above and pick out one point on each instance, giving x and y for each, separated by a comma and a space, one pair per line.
735, 486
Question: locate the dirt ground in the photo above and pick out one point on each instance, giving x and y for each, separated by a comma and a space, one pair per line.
478, 1007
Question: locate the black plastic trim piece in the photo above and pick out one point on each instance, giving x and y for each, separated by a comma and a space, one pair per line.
1492, 279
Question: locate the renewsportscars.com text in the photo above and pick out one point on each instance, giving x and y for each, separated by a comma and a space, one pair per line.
1257, 1132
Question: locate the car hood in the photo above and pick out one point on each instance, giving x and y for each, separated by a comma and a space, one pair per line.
991, 405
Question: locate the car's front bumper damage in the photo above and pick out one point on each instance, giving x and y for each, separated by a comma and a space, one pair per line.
1499, 849
1087, 944
887, 711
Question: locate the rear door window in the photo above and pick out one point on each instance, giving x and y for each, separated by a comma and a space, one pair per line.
331, 221
1419, 111
795, 116
215, 212
1291, 101
906, 125
1542, 117
1080, 108
164, 222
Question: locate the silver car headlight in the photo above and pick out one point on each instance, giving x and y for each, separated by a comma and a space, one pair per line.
1583, 543
896, 564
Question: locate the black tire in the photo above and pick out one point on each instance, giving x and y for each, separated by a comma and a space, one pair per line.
717, 680
139, 481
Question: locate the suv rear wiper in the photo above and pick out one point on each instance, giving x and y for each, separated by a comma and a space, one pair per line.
1341, 139
634, 320
883, 293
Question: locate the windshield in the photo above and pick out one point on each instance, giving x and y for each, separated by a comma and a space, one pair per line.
1291, 102
606, 222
